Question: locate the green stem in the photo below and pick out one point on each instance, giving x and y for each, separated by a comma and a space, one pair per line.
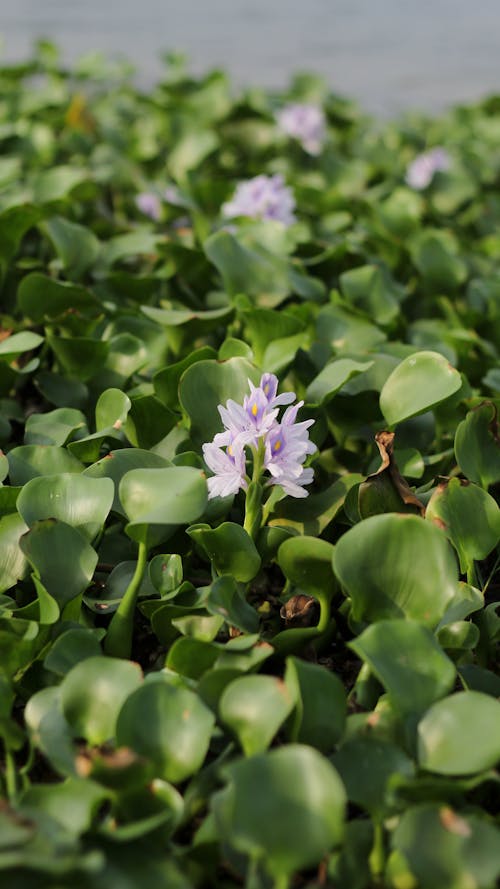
118, 641
376, 858
10, 775
282, 881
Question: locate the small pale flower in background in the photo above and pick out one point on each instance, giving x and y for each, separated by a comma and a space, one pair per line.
304, 122
263, 197
421, 171
278, 447
149, 204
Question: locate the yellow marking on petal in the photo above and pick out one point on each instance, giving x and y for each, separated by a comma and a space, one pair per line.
230, 450
266, 389
277, 445
255, 410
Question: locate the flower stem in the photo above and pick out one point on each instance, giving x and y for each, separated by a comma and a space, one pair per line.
118, 641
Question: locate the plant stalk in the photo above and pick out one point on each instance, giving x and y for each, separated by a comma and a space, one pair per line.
118, 641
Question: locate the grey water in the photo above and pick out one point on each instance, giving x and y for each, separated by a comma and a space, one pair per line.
390, 55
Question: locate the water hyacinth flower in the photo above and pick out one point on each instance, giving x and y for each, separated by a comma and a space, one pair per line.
149, 203
421, 171
304, 122
263, 197
277, 447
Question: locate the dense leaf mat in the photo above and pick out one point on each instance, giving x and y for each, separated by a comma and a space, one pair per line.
312, 699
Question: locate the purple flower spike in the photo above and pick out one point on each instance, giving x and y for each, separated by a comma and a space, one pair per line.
149, 204
306, 123
421, 171
279, 448
263, 197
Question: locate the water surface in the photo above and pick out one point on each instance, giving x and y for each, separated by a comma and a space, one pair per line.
389, 54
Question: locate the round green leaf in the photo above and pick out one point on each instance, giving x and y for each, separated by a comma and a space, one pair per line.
440, 847
205, 385
255, 707
307, 563
396, 565
229, 548
469, 517
285, 807
117, 463
62, 558
176, 495
408, 661
177, 739
418, 384
78, 500
460, 734
92, 694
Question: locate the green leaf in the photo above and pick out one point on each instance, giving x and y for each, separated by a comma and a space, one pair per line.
439, 847
333, 377
418, 384
178, 738
13, 563
71, 647
254, 708
74, 803
460, 734
407, 659
469, 517
366, 766
117, 463
92, 695
18, 343
80, 357
54, 427
78, 500
76, 245
225, 599
312, 515
435, 254
319, 716
63, 560
477, 446
229, 549
29, 461
396, 565
205, 385
307, 563
370, 289
176, 495
40, 297
166, 380
302, 797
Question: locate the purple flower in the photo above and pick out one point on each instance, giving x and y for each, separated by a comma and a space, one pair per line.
149, 204
263, 197
279, 448
304, 122
228, 466
287, 445
421, 171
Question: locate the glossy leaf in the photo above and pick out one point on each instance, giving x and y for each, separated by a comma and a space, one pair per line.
177, 741
460, 734
396, 565
418, 384
92, 694
254, 708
